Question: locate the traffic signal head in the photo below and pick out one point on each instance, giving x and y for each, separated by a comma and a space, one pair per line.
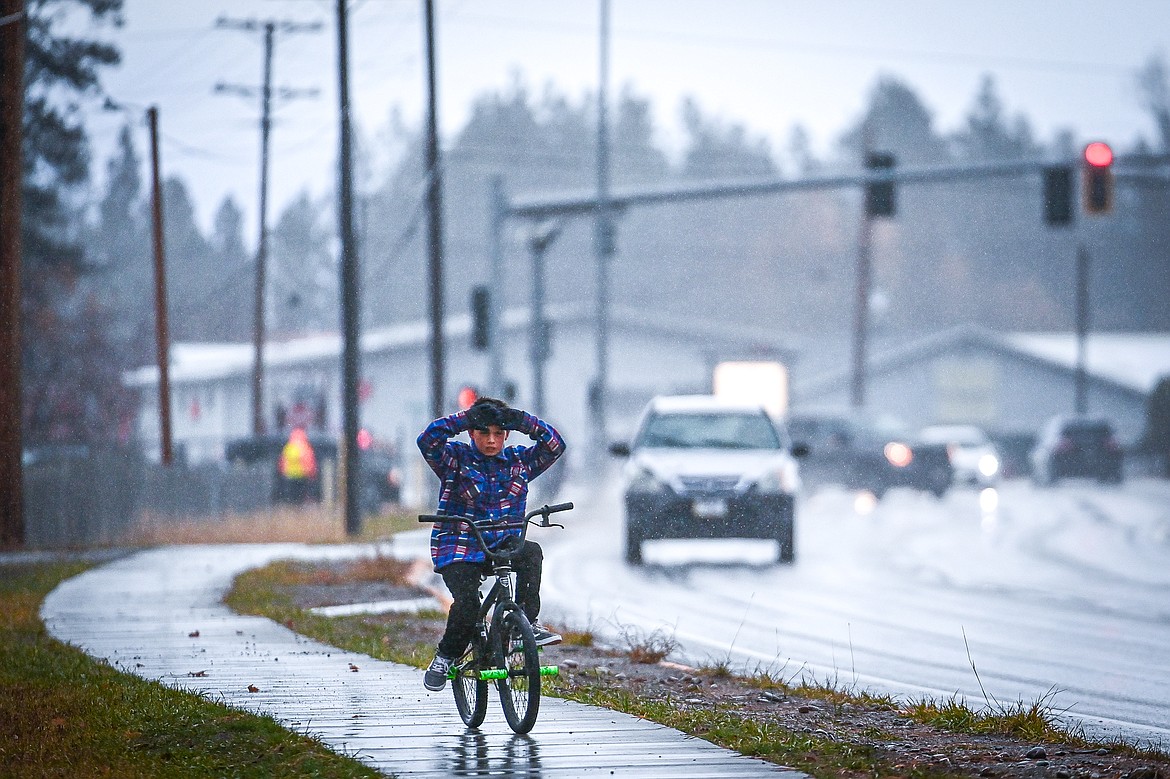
466, 397
1058, 195
1098, 178
880, 198
480, 314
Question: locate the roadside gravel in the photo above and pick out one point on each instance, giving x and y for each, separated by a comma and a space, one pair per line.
876, 726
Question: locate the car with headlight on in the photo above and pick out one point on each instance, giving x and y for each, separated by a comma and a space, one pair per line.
868, 452
705, 467
974, 457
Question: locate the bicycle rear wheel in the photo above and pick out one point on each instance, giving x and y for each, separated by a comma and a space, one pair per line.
514, 647
470, 690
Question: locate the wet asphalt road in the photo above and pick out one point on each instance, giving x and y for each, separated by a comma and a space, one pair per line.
1057, 593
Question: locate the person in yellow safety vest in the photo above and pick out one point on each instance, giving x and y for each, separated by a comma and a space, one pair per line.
297, 467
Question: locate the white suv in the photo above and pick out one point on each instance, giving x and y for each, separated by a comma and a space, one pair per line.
703, 467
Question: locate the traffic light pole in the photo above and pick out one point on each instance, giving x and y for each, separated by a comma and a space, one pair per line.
861, 310
496, 290
1082, 394
603, 244
538, 342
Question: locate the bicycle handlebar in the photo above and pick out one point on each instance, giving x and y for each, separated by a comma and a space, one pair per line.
543, 511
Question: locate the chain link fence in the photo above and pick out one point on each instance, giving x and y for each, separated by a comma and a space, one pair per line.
97, 500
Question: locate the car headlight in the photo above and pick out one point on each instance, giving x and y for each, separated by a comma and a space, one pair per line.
989, 465
642, 479
783, 479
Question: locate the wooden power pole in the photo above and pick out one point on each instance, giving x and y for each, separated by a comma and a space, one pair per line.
259, 327
11, 113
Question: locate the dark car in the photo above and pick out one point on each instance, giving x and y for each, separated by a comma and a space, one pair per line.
868, 453
381, 475
1077, 446
701, 467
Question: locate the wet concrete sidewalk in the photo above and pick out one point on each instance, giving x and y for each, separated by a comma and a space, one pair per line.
158, 614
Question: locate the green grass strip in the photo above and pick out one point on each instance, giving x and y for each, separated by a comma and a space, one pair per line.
65, 714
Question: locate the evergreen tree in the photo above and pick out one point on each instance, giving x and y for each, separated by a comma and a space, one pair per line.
304, 273
988, 135
635, 156
71, 369
1154, 85
716, 150
121, 249
194, 278
234, 292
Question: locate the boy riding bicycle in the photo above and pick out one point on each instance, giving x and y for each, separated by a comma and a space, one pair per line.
487, 483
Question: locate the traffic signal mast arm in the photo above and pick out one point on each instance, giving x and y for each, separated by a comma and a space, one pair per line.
584, 202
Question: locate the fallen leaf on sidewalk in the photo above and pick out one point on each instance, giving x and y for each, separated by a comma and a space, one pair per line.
353, 667
253, 688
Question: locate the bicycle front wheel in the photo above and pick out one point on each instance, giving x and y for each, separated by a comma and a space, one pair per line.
470, 690
514, 647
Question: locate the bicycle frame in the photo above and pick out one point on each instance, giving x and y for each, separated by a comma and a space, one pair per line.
503, 648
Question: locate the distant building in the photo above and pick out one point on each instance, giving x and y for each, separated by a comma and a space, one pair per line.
1008, 383
1005, 382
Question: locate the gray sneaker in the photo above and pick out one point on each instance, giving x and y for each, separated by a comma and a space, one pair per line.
544, 636
435, 678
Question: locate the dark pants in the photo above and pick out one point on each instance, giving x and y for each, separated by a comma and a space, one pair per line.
463, 580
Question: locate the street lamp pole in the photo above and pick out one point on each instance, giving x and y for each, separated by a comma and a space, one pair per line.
603, 242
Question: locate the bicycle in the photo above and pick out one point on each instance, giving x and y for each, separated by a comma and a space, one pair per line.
503, 648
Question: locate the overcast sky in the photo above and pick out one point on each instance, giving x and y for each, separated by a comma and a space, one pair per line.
765, 64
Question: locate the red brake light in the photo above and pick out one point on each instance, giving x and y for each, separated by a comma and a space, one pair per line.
898, 454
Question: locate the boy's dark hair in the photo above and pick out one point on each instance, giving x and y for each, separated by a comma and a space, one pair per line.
493, 402
486, 412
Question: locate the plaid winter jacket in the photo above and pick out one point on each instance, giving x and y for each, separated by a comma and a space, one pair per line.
491, 490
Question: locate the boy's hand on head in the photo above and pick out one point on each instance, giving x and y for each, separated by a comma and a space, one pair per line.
511, 418
483, 416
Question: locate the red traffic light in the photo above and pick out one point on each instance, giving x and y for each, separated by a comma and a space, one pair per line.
467, 396
1098, 154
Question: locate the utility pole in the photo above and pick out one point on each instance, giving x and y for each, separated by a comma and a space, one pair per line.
258, 327
539, 240
499, 199
1082, 389
11, 114
162, 334
861, 309
350, 310
603, 244
435, 223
